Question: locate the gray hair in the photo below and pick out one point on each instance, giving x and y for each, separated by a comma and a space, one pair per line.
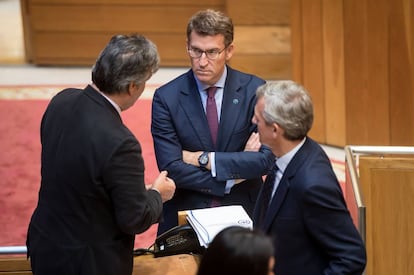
211, 22
289, 105
125, 59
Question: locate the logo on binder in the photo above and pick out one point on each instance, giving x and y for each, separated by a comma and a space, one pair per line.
243, 222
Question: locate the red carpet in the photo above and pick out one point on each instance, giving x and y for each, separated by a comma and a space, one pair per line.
20, 157
20, 163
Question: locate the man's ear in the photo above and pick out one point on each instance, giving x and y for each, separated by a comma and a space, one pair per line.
131, 87
229, 51
276, 129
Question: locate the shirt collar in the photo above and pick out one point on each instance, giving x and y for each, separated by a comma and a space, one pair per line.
284, 160
116, 106
220, 83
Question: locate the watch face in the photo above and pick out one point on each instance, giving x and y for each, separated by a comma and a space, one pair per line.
203, 160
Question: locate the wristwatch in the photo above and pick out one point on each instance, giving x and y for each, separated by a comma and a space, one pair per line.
203, 159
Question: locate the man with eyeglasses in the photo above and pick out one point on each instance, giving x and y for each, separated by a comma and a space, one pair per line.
202, 129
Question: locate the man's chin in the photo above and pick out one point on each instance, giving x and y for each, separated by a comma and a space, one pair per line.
204, 77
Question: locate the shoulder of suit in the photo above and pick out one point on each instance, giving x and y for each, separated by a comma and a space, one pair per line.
244, 78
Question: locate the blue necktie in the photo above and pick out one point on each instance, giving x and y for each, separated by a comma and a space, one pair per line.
267, 193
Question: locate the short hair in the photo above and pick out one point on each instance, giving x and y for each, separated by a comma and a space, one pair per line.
125, 59
211, 22
237, 250
289, 105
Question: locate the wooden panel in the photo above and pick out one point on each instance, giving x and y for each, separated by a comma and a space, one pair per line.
366, 72
130, 2
269, 67
15, 265
401, 71
334, 78
83, 48
122, 18
259, 12
262, 40
388, 188
181, 264
313, 72
296, 40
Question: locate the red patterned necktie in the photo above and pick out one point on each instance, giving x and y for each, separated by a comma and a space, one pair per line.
211, 112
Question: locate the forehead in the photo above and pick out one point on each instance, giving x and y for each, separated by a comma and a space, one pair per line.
259, 105
206, 41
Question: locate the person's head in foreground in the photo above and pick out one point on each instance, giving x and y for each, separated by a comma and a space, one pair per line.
238, 250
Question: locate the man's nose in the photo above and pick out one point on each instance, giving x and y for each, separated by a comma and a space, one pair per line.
203, 60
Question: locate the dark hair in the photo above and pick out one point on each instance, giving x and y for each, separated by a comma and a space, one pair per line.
237, 250
125, 59
210, 22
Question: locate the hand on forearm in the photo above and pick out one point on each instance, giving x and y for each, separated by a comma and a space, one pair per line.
253, 144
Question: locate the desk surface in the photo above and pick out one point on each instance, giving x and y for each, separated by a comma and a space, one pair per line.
183, 264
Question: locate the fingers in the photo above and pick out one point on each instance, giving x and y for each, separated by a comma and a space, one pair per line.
253, 144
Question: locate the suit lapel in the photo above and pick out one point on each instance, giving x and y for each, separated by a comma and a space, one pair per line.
190, 102
230, 109
277, 201
285, 181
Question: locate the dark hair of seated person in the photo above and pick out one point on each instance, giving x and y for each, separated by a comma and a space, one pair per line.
238, 250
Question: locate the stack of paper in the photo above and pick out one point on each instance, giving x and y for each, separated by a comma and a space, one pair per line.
207, 222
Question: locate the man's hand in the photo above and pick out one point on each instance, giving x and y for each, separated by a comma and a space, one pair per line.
164, 185
191, 157
253, 144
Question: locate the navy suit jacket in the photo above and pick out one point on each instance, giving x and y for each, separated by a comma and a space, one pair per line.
179, 123
308, 219
92, 199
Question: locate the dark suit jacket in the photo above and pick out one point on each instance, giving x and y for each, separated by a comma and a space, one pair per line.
92, 199
308, 219
179, 123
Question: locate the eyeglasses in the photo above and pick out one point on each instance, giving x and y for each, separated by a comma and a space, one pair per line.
210, 54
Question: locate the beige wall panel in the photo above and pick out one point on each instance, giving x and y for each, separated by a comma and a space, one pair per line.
129, 2
262, 40
83, 48
122, 18
388, 188
334, 78
259, 12
269, 67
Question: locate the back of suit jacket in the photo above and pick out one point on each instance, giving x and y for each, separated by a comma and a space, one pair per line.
93, 198
179, 123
